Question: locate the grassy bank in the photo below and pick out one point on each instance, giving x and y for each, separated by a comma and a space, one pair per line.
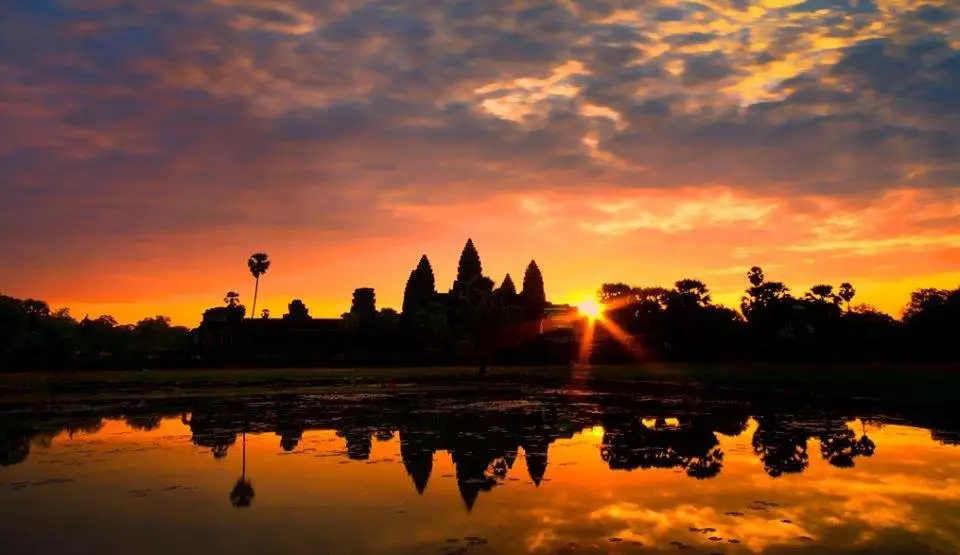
890, 382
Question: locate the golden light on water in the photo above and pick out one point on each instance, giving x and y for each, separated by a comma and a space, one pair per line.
889, 497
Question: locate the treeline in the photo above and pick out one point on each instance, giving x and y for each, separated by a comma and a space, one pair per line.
683, 322
477, 323
34, 337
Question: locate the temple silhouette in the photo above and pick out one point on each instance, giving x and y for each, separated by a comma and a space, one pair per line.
476, 322
473, 322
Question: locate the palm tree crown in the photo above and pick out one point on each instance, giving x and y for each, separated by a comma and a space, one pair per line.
258, 263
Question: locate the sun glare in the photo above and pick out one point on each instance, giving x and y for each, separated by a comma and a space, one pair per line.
589, 308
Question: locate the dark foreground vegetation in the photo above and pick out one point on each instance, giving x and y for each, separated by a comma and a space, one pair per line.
775, 324
893, 384
478, 324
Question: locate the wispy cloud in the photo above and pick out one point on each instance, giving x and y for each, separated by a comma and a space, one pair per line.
136, 124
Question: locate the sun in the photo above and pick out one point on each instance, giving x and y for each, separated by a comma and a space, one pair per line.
589, 308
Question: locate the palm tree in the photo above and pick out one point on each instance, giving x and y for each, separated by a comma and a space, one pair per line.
242, 494
823, 293
847, 293
258, 263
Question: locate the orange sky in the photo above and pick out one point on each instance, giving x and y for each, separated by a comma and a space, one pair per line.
148, 150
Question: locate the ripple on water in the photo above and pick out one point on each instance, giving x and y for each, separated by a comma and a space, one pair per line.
35, 483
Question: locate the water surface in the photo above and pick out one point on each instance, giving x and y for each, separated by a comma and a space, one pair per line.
478, 472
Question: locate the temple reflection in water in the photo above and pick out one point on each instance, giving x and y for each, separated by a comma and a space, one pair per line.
486, 431
474, 470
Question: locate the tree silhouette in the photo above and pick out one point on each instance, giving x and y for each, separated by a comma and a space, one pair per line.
103, 336
265, 314
706, 466
242, 493
822, 293
213, 430
258, 263
683, 321
143, 422
156, 335
218, 441
36, 309
628, 444
781, 448
841, 447
762, 295
232, 299
694, 290
730, 422
866, 330
924, 302
14, 328
932, 319
865, 446
615, 291
946, 437
83, 425
770, 311
532, 296
847, 293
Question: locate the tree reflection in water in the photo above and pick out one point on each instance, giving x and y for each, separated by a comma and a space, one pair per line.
485, 432
242, 494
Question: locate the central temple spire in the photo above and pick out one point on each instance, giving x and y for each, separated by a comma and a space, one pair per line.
469, 267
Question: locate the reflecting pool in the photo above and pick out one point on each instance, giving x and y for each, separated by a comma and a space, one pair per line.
475, 472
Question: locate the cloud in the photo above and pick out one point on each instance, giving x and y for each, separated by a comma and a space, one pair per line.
337, 121
713, 209
706, 69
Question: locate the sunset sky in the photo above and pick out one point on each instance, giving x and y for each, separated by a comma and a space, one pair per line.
148, 147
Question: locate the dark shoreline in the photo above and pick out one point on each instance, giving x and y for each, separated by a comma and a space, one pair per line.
898, 384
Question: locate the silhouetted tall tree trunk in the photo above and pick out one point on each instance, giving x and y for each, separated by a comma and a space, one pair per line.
242, 494
256, 290
258, 263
